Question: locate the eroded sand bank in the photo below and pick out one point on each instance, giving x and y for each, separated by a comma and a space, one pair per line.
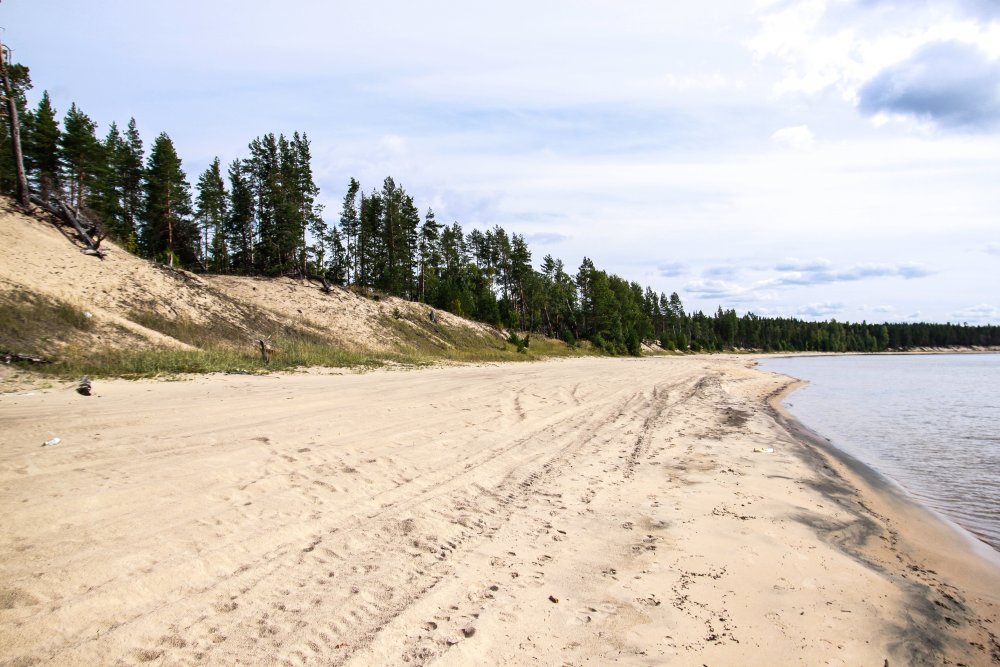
549, 513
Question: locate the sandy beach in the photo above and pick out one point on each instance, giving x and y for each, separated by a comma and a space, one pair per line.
631, 511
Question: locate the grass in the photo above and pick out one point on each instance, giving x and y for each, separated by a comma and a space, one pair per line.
32, 324
58, 330
171, 361
300, 349
430, 341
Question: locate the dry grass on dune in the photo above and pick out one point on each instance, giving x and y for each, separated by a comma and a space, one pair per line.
127, 316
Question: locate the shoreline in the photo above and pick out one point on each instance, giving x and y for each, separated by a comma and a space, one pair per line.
641, 511
904, 518
876, 481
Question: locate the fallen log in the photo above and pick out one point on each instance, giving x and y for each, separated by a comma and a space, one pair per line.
8, 357
327, 287
81, 232
61, 210
266, 351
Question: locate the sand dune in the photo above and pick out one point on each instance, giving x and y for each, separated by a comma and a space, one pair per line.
41, 258
548, 513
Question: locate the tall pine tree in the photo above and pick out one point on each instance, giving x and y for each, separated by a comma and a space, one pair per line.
20, 83
41, 148
128, 163
239, 224
350, 227
105, 197
168, 231
82, 155
212, 204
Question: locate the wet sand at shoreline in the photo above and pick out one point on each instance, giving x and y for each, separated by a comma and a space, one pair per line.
610, 510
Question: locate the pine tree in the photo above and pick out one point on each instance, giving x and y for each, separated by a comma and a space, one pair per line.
167, 227
391, 198
304, 192
239, 224
82, 155
585, 289
521, 274
429, 250
14, 108
350, 226
15, 82
128, 163
41, 148
336, 269
211, 207
371, 245
106, 195
290, 225
409, 224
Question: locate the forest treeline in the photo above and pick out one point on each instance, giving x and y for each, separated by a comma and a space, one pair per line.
258, 215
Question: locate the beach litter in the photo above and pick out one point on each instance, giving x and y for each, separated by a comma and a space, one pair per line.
52, 442
763, 450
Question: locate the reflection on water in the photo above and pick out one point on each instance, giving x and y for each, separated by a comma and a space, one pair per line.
929, 422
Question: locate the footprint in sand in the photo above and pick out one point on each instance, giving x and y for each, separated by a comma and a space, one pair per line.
594, 613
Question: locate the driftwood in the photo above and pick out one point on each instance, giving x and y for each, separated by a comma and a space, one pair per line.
87, 233
266, 351
8, 357
82, 232
186, 276
327, 287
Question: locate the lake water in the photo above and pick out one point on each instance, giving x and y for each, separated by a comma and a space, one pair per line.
931, 423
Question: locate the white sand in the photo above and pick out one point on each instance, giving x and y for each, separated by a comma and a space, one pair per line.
550, 513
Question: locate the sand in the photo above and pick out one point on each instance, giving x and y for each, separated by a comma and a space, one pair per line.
579, 511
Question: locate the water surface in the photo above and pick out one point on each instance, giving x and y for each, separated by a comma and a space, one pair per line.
931, 423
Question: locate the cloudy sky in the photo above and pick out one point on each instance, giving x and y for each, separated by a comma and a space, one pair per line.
817, 158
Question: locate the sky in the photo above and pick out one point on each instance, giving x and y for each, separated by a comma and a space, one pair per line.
810, 158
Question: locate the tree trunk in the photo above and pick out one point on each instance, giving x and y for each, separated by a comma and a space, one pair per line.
23, 194
79, 192
170, 230
67, 214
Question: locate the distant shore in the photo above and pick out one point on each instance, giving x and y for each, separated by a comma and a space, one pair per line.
661, 510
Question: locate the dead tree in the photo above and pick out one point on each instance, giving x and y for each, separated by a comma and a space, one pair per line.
15, 130
88, 233
326, 288
266, 351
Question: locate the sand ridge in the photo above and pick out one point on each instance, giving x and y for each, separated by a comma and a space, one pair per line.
610, 510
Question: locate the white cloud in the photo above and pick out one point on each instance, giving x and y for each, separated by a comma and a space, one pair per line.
670, 269
720, 282
981, 313
794, 264
840, 45
883, 309
822, 310
798, 136
392, 143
